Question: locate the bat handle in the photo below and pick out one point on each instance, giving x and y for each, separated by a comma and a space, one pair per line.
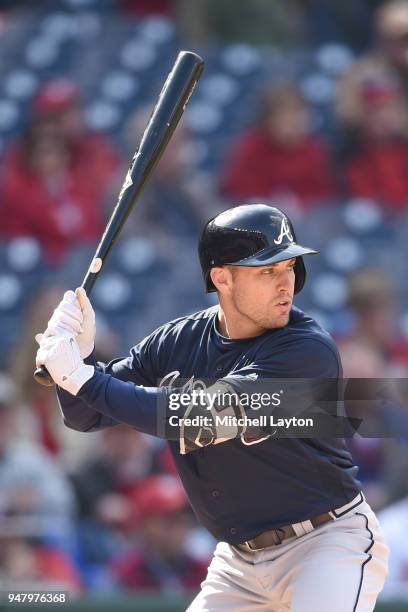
43, 377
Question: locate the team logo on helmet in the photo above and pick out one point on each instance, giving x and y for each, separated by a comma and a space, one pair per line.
285, 231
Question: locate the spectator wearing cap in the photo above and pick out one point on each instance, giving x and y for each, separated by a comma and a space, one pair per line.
389, 54
55, 177
376, 165
93, 156
159, 559
280, 157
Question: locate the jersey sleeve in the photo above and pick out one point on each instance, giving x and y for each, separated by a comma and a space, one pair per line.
139, 368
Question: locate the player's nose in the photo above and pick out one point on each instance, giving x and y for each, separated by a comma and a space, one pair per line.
286, 281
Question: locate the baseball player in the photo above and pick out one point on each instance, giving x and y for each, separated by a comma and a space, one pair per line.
294, 529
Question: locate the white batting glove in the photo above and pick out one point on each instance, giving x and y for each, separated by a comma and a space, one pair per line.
61, 356
74, 316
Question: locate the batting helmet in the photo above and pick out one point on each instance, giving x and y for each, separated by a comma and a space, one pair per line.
250, 235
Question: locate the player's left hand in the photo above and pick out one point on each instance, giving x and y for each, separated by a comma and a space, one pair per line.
74, 316
61, 356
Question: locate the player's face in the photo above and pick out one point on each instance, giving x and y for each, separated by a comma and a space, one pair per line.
264, 294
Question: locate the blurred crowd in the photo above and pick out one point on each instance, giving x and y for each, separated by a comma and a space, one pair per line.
105, 513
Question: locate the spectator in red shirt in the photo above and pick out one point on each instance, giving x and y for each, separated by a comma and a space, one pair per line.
377, 166
56, 176
160, 560
279, 156
93, 158
42, 198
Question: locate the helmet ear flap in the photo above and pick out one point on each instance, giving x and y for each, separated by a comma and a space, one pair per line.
209, 285
300, 274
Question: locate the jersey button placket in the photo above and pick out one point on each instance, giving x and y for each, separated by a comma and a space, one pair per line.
215, 493
233, 530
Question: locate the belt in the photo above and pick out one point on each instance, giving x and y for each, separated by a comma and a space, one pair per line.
274, 537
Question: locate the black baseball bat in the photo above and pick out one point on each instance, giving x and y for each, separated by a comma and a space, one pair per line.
166, 114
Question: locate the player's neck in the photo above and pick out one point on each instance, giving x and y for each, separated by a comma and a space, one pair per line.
236, 326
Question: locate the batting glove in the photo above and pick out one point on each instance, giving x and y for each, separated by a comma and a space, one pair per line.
74, 316
61, 356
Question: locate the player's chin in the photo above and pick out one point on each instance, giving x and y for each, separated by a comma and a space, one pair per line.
280, 320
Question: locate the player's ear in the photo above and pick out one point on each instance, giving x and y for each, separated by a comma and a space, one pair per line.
222, 278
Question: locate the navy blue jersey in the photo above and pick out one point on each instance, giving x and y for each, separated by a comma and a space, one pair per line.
236, 490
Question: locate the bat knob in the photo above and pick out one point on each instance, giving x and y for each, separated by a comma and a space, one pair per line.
42, 376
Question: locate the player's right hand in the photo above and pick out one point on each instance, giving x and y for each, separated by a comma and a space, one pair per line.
61, 356
74, 315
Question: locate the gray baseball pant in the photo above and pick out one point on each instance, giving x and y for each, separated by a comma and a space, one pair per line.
340, 566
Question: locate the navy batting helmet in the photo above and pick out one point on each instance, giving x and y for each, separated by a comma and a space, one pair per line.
250, 235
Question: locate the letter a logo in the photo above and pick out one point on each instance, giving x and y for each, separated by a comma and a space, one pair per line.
285, 231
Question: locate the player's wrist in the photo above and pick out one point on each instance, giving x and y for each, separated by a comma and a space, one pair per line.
76, 380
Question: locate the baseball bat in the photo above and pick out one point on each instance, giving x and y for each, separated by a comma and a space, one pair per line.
166, 114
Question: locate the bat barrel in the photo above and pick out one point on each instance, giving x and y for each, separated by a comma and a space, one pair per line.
169, 108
